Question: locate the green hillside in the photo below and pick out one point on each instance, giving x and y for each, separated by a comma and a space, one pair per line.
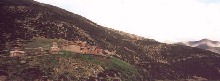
68, 66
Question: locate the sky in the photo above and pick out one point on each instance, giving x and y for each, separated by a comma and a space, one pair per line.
162, 20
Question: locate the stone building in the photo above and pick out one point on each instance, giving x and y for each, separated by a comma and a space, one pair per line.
54, 48
72, 48
16, 48
99, 50
93, 49
81, 47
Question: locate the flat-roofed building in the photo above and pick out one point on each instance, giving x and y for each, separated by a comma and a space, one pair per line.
54, 48
16, 48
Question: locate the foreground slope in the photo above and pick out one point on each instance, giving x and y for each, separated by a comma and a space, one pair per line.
26, 19
68, 67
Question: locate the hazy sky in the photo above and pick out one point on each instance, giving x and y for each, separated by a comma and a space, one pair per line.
173, 20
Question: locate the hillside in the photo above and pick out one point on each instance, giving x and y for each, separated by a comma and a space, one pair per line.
27, 19
207, 44
68, 67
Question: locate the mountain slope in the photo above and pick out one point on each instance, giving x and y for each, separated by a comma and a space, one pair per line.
27, 19
67, 67
207, 44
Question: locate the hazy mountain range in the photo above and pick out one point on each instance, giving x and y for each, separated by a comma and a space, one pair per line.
207, 44
136, 58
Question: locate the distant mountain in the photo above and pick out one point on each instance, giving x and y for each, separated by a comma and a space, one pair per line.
207, 44
136, 58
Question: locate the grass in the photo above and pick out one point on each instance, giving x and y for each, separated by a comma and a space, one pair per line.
42, 42
67, 64
128, 71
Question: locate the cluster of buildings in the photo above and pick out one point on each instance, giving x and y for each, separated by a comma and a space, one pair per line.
81, 47
17, 48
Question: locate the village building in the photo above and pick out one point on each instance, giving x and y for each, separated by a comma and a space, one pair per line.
93, 49
76, 46
99, 51
17, 49
107, 52
72, 48
82, 47
54, 48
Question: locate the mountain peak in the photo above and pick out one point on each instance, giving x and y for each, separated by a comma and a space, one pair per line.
209, 42
205, 40
205, 43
